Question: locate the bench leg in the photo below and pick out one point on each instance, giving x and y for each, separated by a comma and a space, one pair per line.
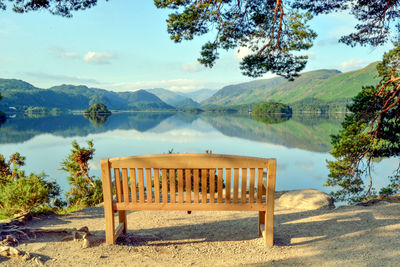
269, 229
261, 221
122, 219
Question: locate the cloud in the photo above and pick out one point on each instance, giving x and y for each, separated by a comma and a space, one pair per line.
352, 64
180, 85
62, 53
242, 52
62, 78
191, 67
98, 57
308, 166
310, 54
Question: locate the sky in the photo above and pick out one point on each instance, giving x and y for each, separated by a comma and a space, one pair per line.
123, 45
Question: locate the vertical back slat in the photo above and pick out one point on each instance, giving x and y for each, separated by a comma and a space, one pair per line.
133, 185
156, 185
220, 185
164, 183
180, 186
251, 185
125, 185
235, 185
196, 185
149, 187
203, 186
141, 185
188, 174
172, 185
118, 184
228, 179
244, 185
259, 184
212, 185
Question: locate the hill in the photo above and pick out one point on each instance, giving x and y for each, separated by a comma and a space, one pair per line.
201, 95
324, 85
21, 94
167, 96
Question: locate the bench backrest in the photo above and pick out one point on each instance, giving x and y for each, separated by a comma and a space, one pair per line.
188, 179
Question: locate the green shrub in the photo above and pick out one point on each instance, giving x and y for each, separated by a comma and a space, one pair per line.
86, 190
20, 193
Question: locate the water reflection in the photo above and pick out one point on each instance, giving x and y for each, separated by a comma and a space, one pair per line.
300, 131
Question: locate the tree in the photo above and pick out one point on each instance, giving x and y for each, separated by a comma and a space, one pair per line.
370, 132
85, 190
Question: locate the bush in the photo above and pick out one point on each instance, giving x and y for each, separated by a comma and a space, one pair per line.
86, 190
20, 193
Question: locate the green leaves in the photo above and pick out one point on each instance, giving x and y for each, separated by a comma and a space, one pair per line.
85, 190
370, 132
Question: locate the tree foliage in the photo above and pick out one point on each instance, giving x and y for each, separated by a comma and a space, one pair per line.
271, 107
85, 190
20, 193
274, 31
370, 132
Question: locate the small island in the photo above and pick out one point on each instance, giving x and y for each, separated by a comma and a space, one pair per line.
97, 109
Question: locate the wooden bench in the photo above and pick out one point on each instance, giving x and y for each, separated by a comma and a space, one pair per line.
188, 182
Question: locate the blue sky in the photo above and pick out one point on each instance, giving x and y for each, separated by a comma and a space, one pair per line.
123, 45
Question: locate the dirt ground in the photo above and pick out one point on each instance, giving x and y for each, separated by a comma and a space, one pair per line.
346, 236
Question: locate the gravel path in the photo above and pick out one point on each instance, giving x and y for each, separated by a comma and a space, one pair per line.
346, 236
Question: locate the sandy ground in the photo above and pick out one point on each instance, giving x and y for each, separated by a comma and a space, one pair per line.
346, 236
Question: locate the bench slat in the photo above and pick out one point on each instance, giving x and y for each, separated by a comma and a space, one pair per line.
188, 179
235, 185
149, 187
188, 161
164, 186
260, 172
196, 185
251, 185
190, 206
244, 185
172, 185
212, 185
133, 185
125, 185
204, 186
118, 185
141, 185
220, 177
228, 178
156, 185
180, 186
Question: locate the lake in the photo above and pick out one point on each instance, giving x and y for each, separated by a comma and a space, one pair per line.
300, 143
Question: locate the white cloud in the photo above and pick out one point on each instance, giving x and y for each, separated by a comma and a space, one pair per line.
62, 53
191, 67
352, 64
242, 52
98, 57
179, 85
310, 54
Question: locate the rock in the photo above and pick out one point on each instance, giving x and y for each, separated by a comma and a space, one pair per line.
306, 199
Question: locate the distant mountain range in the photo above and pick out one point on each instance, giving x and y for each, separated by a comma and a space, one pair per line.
181, 99
315, 91
323, 85
20, 94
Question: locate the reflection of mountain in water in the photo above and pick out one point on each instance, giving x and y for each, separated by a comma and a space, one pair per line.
20, 129
305, 132
302, 131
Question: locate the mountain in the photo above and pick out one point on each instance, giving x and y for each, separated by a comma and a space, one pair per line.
201, 94
21, 94
167, 96
323, 85
186, 104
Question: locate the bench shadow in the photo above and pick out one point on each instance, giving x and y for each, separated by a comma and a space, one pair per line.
293, 229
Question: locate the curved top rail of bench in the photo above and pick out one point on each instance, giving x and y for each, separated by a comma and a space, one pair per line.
186, 161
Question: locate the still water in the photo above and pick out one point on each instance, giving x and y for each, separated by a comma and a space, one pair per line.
300, 144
